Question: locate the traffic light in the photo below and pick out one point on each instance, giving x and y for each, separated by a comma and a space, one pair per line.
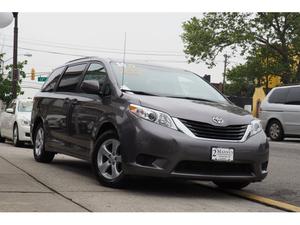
32, 74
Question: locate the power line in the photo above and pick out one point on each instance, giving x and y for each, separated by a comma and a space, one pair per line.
92, 48
46, 51
77, 55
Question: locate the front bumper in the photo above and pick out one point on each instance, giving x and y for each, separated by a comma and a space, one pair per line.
153, 150
24, 133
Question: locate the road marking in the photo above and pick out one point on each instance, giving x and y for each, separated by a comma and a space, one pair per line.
263, 200
257, 198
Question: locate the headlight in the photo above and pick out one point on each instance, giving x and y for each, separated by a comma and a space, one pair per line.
152, 115
25, 122
255, 127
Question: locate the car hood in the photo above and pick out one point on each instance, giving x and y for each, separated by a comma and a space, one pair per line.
25, 115
197, 110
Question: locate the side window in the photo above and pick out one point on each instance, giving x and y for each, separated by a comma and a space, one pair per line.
96, 72
10, 104
294, 96
279, 96
52, 80
71, 78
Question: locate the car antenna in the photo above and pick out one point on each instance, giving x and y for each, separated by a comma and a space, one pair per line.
124, 55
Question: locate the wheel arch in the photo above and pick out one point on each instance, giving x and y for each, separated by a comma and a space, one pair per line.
104, 126
37, 121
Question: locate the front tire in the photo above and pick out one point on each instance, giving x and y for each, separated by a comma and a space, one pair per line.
231, 185
16, 141
39, 152
2, 139
275, 131
107, 160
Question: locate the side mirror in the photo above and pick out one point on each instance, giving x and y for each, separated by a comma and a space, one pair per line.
10, 110
91, 87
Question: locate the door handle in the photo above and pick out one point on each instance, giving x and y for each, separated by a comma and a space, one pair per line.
66, 100
74, 101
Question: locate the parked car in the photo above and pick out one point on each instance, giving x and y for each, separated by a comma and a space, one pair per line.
15, 121
131, 119
280, 112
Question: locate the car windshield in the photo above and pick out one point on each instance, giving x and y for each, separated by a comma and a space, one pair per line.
25, 106
161, 81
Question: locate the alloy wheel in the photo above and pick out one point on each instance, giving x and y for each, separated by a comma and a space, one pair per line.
39, 141
109, 160
274, 131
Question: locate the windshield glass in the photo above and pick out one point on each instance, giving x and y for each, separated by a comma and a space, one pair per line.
25, 106
163, 81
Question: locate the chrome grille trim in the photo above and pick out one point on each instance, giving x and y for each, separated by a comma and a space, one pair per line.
188, 132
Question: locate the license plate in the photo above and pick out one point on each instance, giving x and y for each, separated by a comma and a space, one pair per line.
222, 154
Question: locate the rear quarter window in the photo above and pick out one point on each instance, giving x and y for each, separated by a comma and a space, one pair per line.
294, 96
279, 96
52, 80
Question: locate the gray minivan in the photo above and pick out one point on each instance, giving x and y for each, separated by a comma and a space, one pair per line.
280, 112
134, 119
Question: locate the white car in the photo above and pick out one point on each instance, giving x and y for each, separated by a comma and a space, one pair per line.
15, 121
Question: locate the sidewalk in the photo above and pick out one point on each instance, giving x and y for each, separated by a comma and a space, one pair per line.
21, 193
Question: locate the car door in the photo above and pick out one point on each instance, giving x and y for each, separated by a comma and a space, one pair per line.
8, 120
59, 114
292, 111
86, 110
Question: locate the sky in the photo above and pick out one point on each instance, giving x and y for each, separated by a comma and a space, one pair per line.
55, 38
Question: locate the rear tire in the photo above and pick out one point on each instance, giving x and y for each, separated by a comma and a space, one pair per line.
107, 160
231, 185
39, 152
275, 131
16, 141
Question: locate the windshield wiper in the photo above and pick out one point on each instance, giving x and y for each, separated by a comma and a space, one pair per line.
139, 92
191, 98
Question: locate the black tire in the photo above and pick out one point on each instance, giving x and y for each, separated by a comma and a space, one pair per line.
275, 131
39, 152
231, 185
2, 139
16, 141
99, 158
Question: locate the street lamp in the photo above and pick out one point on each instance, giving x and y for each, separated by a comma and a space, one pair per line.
15, 77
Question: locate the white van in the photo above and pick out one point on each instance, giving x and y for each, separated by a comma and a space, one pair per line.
280, 112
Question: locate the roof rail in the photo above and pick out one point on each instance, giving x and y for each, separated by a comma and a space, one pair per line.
83, 58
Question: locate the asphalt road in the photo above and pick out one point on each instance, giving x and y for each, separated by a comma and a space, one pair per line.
67, 184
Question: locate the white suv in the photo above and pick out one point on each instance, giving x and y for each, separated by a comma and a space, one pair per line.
15, 121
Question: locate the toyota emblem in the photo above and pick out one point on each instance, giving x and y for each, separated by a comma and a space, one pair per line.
217, 120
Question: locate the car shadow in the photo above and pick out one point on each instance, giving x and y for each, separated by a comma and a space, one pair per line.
158, 187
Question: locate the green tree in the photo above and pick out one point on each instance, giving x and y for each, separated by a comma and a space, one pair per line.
6, 80
243, 33
255, 72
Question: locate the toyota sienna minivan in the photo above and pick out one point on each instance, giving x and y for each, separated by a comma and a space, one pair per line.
133, 119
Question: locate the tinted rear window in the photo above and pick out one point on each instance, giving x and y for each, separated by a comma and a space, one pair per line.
71, 78
294, 96
52, 80
279, 95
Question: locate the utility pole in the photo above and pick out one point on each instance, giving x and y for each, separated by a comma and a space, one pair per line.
224, 74
15, 77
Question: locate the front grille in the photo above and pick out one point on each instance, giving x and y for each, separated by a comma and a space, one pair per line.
214, 168
205, 130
